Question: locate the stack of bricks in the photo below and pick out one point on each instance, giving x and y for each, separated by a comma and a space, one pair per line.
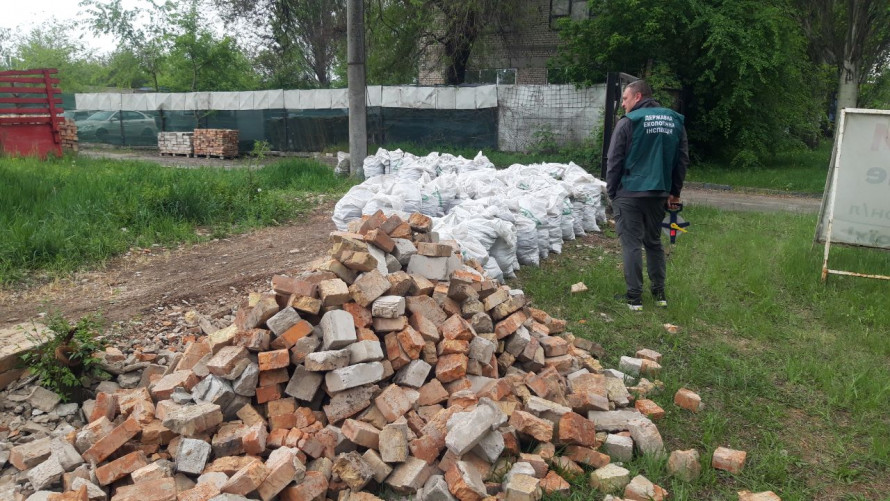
216, 143
176, 143
391, 366
68, 133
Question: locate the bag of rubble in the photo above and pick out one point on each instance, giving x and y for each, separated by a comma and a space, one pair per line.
351, 205
394, 193
342, 168
483, 235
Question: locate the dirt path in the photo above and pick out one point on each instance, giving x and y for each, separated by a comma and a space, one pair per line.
213, 277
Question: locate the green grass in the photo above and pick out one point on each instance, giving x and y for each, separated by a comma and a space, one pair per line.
59, 215
791, 370
801, 171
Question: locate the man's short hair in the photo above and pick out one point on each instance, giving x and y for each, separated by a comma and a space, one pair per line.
640, 86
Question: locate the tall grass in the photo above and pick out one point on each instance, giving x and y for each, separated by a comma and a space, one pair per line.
58, 215
794, 371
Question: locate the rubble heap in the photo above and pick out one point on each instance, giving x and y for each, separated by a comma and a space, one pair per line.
393, 365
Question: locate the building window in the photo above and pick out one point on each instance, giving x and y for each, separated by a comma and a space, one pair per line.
576, 10
491, 76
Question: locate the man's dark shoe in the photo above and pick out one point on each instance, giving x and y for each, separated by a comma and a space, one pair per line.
633, 303
660, 299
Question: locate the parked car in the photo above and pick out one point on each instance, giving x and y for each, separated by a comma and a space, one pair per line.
106, 124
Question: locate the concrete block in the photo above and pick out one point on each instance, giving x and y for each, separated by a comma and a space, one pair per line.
619, 447
491, 446
482, 349
368, 287
685, 465
65, 454
523, 487
409, 477
403, 250
45, 474
394, 443
303, 384
190, 420
354, 375
414, 374
379, 468
436, 489
467, 429
431, 268
283, 320
365, 351
338, 330
388, 307
327, 360
246, 384
213, 389
43, 399
610, 478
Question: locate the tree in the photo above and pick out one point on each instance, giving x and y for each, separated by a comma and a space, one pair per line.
198, 60
312, 31
143, 32
741, 67
852, 36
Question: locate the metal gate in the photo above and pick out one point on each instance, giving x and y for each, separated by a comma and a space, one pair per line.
30, 113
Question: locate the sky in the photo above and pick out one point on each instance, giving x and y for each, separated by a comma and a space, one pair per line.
23, 15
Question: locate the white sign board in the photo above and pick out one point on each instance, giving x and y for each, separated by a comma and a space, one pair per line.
856, 203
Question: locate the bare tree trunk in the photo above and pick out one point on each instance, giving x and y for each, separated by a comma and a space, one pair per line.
848, 86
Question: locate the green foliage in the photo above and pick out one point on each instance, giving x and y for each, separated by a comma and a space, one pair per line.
740, 68
77, 343
64, 213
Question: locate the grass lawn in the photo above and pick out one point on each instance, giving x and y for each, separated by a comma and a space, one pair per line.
793, 371
59, 215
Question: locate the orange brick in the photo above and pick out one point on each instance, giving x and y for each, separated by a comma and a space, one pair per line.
275, 359
394, 352
78, 495
380, 239
585, 455
247, 479
649, 408
687, 399
729, 460
108, 444
162, 489
575, 429
510, 324
201, 492
426, 448
432, 393
529, 424
313, 486
106, 405
268, 378
120, 468
298, 331
392, 402
456, 328
450, 346
363, 334
254, 439
451, 367
411, 342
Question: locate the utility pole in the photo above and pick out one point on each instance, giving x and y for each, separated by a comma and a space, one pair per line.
355, 75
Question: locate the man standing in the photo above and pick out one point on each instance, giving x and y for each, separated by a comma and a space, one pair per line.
647, 161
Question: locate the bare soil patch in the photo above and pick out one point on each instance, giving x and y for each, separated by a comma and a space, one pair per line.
203, 276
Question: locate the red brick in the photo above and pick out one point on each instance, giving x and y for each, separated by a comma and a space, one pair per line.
420, 222
411, 342
575, 429
201, 492
120, 468
193, 353
380, 239
529, 424
510, 324
268, 378
394, 352
728, 459
106, 405
155, 433
451, 367
687, 399
268, 393
456, 328
247, 479
78, 495
254, 439
450, 346
313, 486
392, 402
274, 359
586, 456
426, 448
162, 489
432, 393
361, 434
110, 443
649, 408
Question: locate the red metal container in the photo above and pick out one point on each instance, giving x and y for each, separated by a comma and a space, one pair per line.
30, 113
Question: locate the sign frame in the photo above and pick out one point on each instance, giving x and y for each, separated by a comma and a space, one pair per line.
831, 192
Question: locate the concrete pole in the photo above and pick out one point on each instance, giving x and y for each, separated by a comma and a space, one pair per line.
355, 75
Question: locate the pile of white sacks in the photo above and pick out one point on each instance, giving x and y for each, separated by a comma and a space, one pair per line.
502, 218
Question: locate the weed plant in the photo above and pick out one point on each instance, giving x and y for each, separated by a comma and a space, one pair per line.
58, 215
61, 360
794, 371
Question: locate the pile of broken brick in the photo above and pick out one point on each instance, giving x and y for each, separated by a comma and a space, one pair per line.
391, 366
